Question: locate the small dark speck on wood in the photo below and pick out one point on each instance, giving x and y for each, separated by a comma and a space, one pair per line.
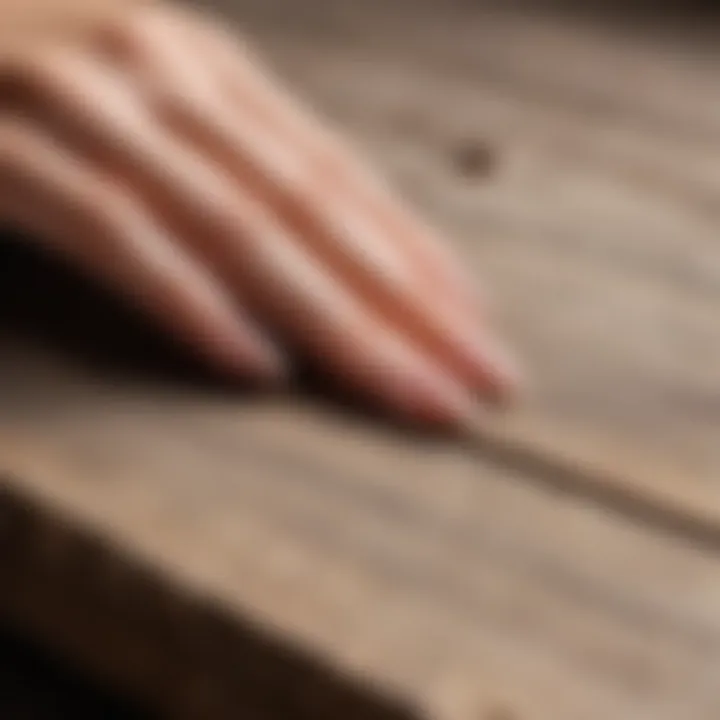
474, 159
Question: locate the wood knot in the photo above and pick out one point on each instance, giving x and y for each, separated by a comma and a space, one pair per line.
474, 159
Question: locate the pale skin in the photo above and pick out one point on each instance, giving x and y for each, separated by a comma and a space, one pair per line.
156, 153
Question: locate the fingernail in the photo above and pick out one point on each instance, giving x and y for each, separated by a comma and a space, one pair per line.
474, 424
445, 404
498, 369
259, 362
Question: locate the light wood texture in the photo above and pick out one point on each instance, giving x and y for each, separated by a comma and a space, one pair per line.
566, 564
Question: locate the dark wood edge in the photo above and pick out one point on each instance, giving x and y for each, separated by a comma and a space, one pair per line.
129, 627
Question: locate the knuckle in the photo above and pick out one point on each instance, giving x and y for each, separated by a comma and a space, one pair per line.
174, 98
127, 32
135, 32
137, 39
33, 77
24, 76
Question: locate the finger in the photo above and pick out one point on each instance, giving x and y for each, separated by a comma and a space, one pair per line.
242, 238
81, 215
256, 91
359, 251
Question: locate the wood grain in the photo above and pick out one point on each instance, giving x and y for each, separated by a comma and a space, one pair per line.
283, 556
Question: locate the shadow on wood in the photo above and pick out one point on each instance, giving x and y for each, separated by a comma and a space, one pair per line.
45, 301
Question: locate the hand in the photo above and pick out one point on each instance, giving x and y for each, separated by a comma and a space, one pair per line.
156, 154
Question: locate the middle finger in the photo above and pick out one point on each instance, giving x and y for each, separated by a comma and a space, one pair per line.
356, 249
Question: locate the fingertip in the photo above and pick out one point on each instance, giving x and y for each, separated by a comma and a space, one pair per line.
433, 400
498, 376
259, 361
510, 377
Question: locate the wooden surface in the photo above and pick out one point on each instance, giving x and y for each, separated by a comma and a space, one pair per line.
214, 552
35, 686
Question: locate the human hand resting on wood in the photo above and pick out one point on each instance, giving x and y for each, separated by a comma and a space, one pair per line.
154, 152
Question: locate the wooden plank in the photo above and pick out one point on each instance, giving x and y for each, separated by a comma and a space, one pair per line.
437, 575
274, 554
434, 573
